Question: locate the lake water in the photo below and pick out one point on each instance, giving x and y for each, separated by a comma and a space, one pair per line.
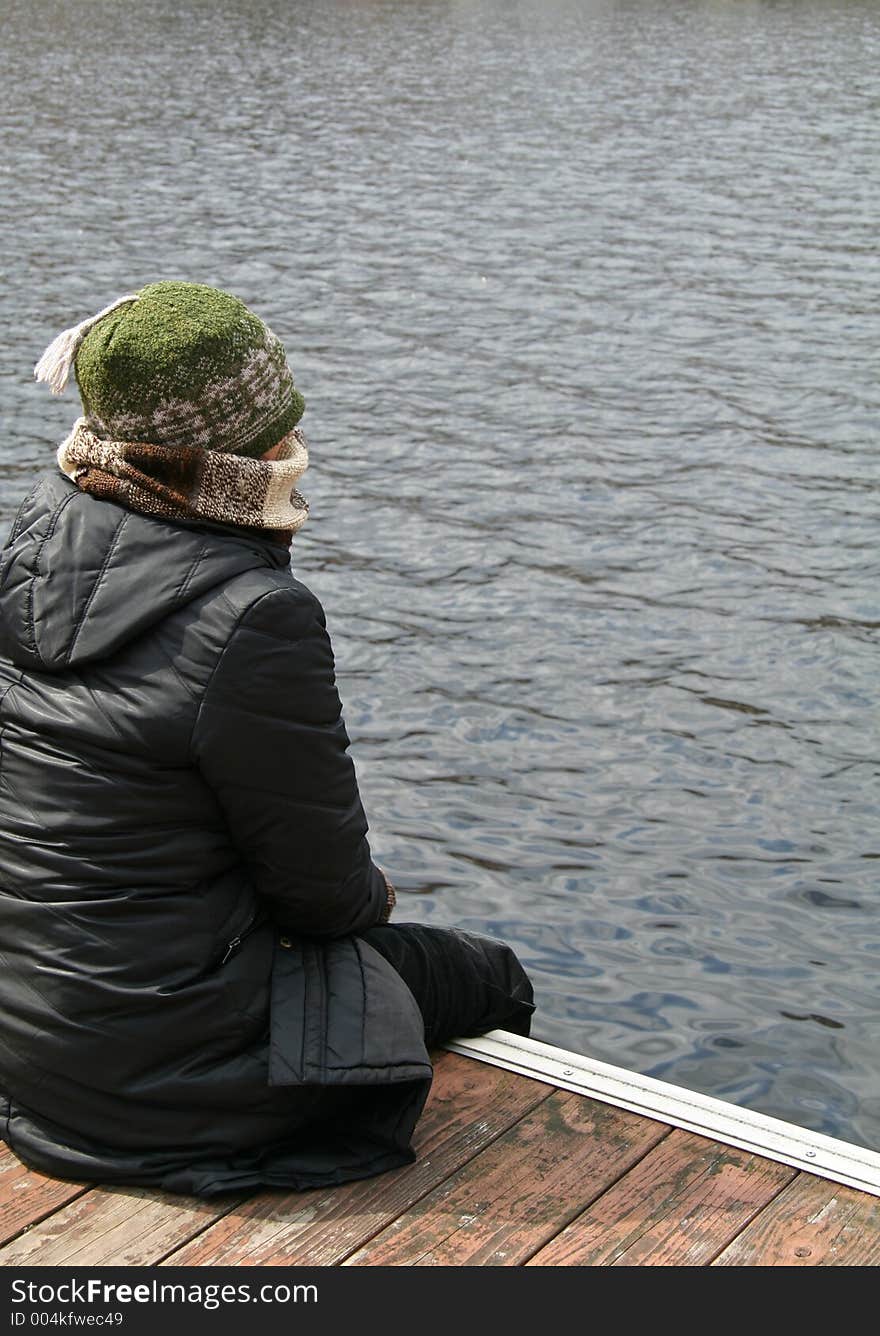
583, 299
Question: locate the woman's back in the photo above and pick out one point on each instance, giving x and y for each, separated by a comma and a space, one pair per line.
137, 968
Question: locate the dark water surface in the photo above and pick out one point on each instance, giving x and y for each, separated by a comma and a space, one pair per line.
583, 299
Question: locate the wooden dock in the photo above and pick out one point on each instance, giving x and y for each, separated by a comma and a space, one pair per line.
511, 1171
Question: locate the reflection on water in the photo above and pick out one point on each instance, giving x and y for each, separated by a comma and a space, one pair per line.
582, 298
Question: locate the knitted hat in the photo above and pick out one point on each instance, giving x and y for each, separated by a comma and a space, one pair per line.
178, 364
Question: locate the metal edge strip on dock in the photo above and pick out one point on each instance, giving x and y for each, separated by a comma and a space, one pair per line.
747, 1129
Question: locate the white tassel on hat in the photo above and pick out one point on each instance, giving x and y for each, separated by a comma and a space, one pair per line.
55, 364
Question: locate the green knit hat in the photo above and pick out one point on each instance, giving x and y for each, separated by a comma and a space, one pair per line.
179, 364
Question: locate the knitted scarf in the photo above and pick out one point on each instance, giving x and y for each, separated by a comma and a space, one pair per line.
187, 482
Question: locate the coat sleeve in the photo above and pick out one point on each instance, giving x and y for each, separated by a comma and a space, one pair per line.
270, 742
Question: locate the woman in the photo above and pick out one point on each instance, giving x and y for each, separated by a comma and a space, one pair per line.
200, 990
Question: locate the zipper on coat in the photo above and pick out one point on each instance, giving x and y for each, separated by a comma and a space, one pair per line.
231, 948
235, 943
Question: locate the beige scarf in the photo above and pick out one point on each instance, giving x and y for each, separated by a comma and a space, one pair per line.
190, 483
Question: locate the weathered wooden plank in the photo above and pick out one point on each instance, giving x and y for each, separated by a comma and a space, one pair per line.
521, 1191
26, 1197
812, 1223
470, 1105
113, 1227
677, 1207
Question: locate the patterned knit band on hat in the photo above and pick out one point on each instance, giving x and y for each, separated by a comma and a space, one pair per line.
183, 389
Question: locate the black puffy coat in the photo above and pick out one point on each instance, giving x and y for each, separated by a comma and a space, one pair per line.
184, 1000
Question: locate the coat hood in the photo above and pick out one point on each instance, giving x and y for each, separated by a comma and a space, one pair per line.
81, 577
